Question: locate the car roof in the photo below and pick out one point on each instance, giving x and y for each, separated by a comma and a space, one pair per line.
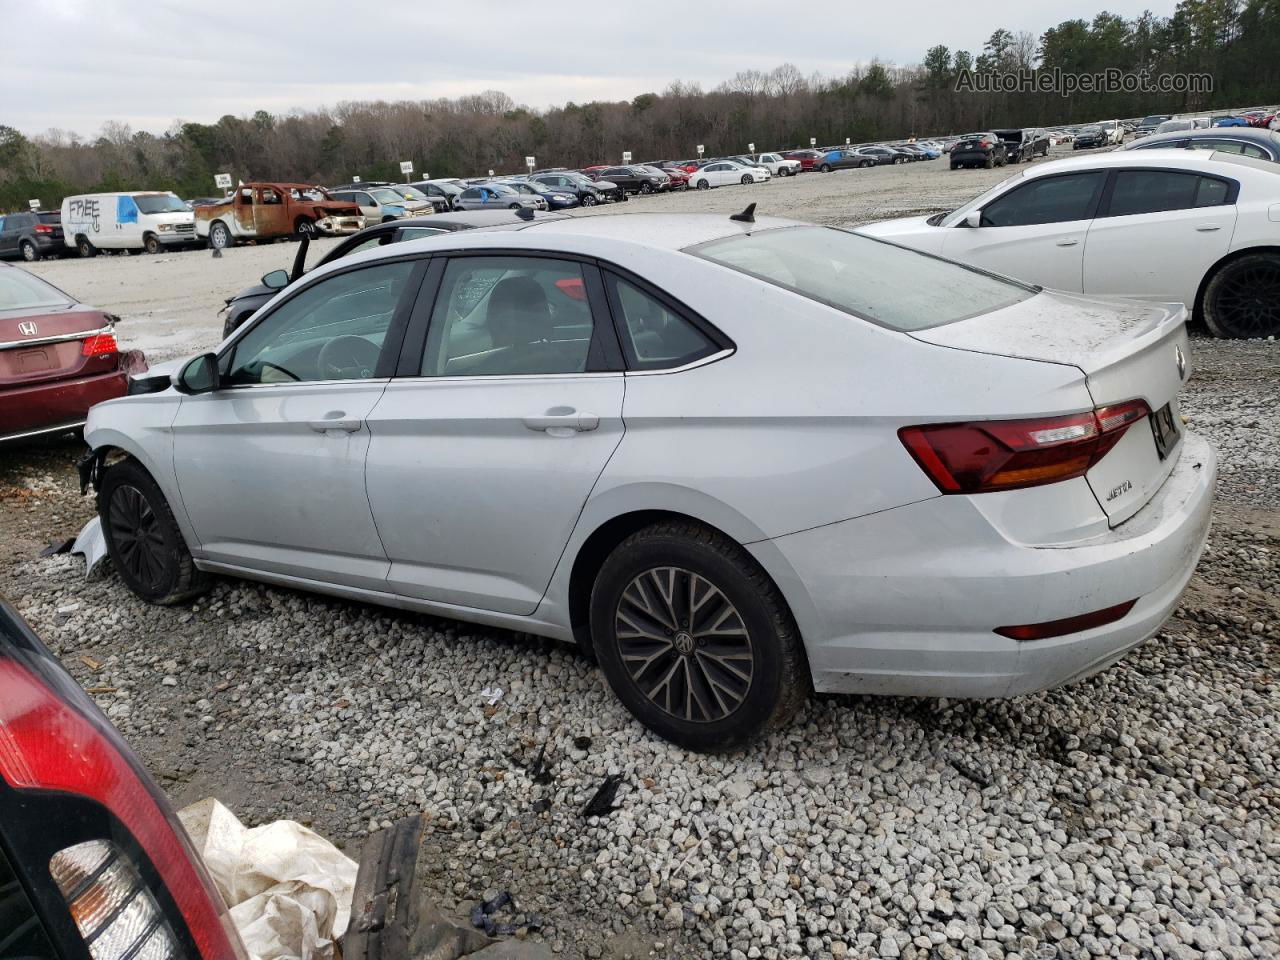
1204, 160
1257, 134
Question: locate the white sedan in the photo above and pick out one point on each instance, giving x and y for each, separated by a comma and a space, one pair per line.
1170, 225
733, 459
721, 172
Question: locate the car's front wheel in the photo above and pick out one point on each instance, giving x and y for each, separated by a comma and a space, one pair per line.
143, 540
695, 639
588, 200
703, 185
825, 168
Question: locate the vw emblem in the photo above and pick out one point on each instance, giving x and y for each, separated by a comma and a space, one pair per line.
27, 328
1181, 361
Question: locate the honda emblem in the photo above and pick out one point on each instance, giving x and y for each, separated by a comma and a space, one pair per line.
27, 328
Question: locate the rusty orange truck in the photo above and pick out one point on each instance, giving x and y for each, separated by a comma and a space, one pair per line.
264, 211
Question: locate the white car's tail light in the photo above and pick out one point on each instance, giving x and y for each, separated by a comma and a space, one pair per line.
986, 455
54, 740
111, 906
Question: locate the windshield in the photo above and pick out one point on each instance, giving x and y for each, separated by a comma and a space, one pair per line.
386, 196
877, 281
160, 203
1091, 129
1173, 125
499, 189
19, 290
1154, 119
411, 193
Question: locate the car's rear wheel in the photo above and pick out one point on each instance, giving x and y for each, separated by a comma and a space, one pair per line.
29, 251
1243, 298
143, 540
695, 639
989, 162
85, 248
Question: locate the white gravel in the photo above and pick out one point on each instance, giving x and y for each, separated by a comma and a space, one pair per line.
1132, 815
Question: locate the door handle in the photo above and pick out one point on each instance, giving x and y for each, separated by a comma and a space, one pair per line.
571, 421
336, 421
1067, 242
1208, 228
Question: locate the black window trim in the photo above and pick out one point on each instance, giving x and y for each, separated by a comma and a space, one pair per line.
391, 344
1092, 213
1104, 205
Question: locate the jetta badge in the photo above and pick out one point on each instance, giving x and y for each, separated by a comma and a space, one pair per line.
1181, 361
27, 328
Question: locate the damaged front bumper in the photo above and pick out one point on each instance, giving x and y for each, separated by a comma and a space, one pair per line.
91, 544
340, 226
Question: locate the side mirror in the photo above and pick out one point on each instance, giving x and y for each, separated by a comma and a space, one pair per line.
276, 279
199, 375
973, 218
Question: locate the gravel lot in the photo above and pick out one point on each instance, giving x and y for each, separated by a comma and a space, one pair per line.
1134, 814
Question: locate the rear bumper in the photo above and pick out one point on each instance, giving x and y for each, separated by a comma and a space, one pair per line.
905, 602
57, 406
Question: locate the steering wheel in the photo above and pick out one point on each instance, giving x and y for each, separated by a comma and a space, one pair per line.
347, 358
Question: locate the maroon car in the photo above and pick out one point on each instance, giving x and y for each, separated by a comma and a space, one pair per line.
809, 159
57, 358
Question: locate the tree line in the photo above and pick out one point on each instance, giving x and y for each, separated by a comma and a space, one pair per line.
1236, 42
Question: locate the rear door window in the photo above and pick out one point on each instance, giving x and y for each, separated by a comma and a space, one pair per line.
1060, 199
509, 316
1155, 191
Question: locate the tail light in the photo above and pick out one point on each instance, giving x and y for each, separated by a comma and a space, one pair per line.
111, 906
100, 345
1076, 624
42, 228
987, 455
53, 738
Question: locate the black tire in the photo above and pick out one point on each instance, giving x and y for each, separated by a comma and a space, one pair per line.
1242, 299
306, 228
85, 248
989, 162
219, 235
746, 180
151, 243
825, 168
143, 539
767, 649
703, 184
955, 166
30, 252
588, 200
867, 163
646, 188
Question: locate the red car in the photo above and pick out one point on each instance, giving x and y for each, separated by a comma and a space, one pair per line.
57, 358
809, 159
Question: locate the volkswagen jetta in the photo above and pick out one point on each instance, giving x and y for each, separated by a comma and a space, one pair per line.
732, 458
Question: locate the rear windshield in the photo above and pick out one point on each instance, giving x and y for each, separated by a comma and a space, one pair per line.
19, 290
877, 281
49, 217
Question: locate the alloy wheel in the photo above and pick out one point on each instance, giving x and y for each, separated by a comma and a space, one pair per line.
684, 644
135, 531
1249, 305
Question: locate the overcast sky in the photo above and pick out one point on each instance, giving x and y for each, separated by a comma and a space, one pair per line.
74, 64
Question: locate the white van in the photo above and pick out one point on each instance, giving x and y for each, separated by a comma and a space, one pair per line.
138, 220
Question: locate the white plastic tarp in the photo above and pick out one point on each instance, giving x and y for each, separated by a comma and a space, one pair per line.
289, 889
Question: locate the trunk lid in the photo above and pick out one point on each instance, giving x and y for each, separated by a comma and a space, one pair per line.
1128, 350
35, 347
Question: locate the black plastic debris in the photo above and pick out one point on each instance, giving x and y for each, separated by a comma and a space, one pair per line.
969, 773
582, 743
601, 803
540, 769
58, 546
482, 917
541, 805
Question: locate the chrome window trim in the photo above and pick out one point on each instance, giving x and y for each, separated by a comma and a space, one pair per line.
702, 362
60, 338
